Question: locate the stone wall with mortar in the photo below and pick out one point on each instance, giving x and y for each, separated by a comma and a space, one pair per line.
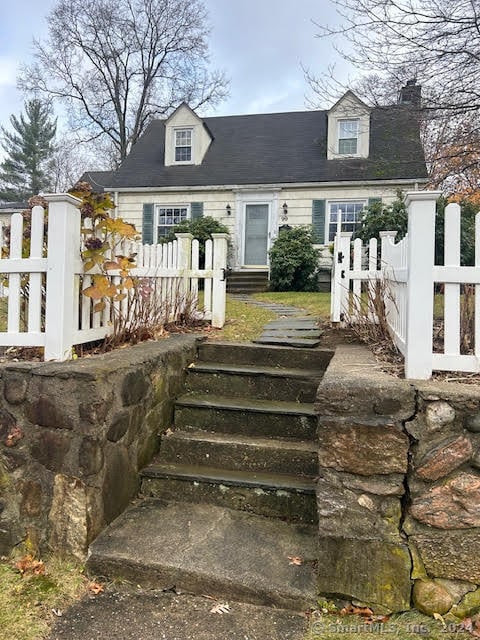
398, 489
73, 436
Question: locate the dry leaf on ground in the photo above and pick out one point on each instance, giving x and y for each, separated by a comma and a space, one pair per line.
28, 564
221, 607
95, 588
297, 560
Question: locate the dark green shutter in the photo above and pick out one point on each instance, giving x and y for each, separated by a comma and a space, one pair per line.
318, 220
147, 224
373, 201
196, 210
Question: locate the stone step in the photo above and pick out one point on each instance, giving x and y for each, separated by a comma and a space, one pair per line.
311, 343
250, 381
248, 287
204, 549
268, 494
240, 452
307, 322
244, 353
254, 274
291, 333
246, 416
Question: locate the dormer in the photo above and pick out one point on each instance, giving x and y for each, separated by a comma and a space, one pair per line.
348, 128
186, 137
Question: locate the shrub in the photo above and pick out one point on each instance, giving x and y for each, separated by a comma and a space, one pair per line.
201, 229
294, 261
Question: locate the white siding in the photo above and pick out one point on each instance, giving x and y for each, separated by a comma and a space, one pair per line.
298, 199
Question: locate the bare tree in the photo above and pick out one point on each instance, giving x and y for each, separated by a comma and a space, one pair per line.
116, 64
435, 41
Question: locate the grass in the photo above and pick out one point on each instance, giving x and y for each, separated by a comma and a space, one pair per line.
27, 601
315, 303
244, 322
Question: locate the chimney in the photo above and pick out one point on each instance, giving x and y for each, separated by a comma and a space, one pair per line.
411, 93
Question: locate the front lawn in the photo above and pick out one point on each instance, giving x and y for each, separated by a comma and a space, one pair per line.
315, 303
245, 321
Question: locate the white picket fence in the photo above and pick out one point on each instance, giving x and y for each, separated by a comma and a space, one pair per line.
59, 316
408, 272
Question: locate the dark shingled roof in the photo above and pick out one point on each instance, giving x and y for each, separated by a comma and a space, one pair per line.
278, 148
15, 206
97, 179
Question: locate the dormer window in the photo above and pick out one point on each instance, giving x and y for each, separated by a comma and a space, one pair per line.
183, 145
348, 137
187, 139
348, 132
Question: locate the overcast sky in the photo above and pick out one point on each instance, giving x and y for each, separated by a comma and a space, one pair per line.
261, 44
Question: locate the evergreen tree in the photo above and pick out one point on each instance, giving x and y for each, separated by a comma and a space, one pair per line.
29, 149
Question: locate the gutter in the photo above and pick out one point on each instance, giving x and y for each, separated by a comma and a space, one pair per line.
274, 186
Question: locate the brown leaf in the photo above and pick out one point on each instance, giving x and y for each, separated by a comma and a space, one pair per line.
14, 435
297, 560
95, 588
352, 610
28, 564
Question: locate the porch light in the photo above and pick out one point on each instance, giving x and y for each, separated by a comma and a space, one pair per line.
284, 216
229, 210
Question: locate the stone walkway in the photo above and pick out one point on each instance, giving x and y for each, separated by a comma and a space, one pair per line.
280, 309
292, 329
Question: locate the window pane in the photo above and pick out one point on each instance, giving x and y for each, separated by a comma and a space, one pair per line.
350, 212
183, 138
347, 146
348, 129
168, 217
183, 154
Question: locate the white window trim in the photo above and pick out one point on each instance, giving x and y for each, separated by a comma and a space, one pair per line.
357, 137
364, 202
174, 144
156, 215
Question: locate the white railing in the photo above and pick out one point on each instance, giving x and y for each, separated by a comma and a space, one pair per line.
45, 307
409, 275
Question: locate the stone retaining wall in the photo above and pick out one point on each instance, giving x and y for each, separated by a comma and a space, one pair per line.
399, 489
73, 436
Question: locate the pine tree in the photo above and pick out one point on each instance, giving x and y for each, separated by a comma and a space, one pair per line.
29, 148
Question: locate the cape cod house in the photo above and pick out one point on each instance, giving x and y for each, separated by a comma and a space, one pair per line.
256, 173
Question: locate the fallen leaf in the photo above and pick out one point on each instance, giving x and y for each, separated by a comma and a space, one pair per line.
297, 560
352, 610
14, 435
95, 588
57, 612
28, 564
220, 608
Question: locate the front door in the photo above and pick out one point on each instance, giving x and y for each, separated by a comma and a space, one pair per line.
256, 234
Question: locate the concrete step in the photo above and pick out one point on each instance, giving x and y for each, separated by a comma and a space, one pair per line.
240, 452
203, 549
247, 288
244, 353
246, 416
311, 343
284, 496
292, 333
250, 381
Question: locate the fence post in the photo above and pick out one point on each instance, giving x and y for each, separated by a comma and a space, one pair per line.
219, 294
421, 257
184, 265
63, 253
340, 283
